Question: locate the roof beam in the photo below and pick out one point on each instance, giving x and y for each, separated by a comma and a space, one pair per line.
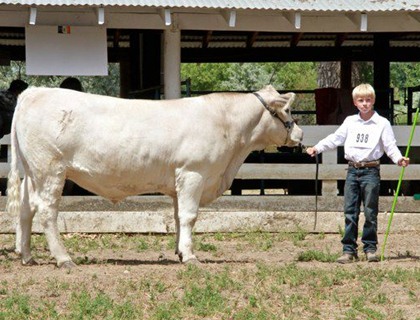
32, 16
230, 17
339, 40
100, 12
415, 16
295, 39
206, 39
116, 38
166, 16
358, 19
295, 18
251, 38
363, 21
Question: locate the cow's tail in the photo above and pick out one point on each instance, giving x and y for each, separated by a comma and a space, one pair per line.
13, 181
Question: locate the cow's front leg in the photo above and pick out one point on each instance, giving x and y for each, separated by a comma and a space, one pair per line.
189, 186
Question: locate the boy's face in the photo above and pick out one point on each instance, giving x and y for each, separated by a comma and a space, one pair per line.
364, 103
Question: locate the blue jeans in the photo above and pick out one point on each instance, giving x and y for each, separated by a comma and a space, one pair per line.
362, 186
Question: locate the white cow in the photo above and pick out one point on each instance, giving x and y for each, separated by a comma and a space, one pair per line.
189, 149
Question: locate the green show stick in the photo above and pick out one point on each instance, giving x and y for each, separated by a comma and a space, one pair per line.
399, 184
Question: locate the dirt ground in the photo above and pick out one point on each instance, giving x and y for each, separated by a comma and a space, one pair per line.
122, 260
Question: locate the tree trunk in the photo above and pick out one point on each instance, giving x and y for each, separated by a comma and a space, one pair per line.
329, 74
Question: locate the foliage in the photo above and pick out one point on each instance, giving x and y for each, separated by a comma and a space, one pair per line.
404, 75
249, 76
106, 85
209, 77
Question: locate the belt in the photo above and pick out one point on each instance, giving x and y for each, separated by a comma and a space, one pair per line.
364, 164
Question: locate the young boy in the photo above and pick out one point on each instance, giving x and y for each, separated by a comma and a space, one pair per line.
366, 136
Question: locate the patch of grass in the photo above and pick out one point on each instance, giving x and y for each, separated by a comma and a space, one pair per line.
341, 231
299, 236
316, 255
256, 289
224, 280
170, 243
204, 300
207, 247
263, 240
250, 313
84, 305
142, 245
358, 305
321, 236
16, 306
81, 244
55, 287
168, 311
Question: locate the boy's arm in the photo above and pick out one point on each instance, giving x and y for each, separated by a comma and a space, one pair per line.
391, 148
331, 142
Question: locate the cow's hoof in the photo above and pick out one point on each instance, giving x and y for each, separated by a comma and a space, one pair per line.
179, 256
67, 265
30, 262
192, 261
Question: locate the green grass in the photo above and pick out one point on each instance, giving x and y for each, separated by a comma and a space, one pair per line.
297, 289
316, 255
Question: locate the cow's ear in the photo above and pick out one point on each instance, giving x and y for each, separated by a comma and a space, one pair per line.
285, 100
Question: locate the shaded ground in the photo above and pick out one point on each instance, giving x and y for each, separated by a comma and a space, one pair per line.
126, 268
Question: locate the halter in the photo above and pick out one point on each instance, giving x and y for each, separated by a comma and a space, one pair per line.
287, 124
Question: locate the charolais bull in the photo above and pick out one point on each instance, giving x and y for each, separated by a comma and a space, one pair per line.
189, 149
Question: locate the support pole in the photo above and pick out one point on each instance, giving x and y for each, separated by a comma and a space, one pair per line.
172, 62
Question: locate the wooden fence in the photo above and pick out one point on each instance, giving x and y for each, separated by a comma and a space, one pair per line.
329, 170
245, 212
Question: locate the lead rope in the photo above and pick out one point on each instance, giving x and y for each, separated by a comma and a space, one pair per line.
316, 190
303, 148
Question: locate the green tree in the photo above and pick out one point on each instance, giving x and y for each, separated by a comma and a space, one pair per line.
106, 85
249, 76
205, 76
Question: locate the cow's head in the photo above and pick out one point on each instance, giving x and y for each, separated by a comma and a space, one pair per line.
279, 106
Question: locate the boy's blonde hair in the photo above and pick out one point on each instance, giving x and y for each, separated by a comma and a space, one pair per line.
363, 90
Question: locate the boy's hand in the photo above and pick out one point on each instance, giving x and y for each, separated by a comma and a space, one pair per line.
311, 151
403, 162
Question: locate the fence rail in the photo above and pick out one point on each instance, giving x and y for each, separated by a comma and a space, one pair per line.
329, 169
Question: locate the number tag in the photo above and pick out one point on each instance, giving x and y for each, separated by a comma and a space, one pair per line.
362, 137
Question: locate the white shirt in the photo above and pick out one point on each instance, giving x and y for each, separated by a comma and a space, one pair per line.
363, 140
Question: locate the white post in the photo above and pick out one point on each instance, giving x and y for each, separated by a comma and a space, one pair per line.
172, 62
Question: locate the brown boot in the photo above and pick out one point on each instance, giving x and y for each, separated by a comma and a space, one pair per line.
372, 257
347, 258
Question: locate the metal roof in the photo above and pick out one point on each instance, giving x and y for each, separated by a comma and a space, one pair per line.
285, 5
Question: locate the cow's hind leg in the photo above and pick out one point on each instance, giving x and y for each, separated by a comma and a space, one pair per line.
189, 186
47, 204
24, 223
